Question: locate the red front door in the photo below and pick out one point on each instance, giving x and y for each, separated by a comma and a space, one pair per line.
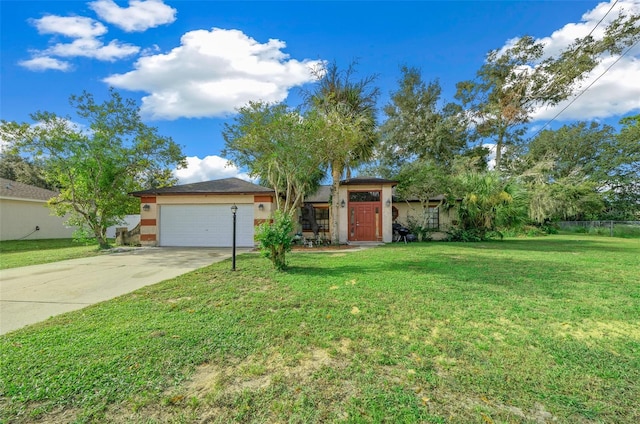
364, 221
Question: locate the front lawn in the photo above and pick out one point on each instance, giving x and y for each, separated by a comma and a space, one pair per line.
543, 330
17, 253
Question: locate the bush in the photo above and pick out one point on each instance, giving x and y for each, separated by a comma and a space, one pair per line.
275, 239
472, 235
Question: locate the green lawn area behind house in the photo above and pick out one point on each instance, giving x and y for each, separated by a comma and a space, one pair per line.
17, 253
536, 330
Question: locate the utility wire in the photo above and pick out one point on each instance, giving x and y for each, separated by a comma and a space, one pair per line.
585, 89
594, 81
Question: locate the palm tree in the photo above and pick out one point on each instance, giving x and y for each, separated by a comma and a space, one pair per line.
350, 135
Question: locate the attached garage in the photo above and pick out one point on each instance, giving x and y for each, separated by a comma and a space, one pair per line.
200, 214
205, 225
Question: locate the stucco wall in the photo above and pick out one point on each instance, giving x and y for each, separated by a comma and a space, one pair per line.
414, 209
19, 218
387, 217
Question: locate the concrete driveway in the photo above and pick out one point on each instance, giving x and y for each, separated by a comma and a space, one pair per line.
34, 293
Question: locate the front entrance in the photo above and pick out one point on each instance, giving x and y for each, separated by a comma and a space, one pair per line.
365, 216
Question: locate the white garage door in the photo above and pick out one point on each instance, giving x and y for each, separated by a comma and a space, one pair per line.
205, 225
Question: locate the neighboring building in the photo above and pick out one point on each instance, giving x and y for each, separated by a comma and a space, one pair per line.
24, 213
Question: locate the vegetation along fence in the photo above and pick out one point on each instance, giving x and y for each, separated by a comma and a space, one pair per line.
605, 228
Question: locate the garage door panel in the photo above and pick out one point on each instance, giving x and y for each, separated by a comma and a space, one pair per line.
205, 225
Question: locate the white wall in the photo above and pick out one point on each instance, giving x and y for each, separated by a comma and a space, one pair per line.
129, 221
19, 218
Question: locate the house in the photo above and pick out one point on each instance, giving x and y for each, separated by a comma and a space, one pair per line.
199, 214
434, 215
24, 213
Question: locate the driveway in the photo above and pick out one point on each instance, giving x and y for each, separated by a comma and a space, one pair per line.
34, 293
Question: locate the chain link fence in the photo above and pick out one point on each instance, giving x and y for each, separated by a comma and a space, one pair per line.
604, 228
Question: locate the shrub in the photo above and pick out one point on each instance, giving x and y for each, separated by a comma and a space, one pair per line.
275, 239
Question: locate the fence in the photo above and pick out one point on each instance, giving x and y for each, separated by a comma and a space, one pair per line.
610, 228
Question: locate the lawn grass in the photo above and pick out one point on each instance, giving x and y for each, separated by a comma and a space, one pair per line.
17, 253
518, 331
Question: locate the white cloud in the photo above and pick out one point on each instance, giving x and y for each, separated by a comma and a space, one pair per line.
93, 48
44, 63
69, 26
139, 16
212, 73
617, 92
209, 168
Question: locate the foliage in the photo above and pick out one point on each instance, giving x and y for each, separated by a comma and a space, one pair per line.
516, 80
16, 168
485, 202
417, 129
525, 330
95, 167
348, 108
276, 239
281, 147
418, 227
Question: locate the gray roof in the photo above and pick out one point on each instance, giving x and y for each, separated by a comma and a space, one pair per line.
321, 196
223, 186
15, 190
367, 180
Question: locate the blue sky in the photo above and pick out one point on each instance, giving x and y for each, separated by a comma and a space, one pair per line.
190, 64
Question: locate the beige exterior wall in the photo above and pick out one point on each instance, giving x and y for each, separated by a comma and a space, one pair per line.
19, 218
414, 209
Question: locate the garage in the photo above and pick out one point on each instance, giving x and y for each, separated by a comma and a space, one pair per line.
200, 215
205, 225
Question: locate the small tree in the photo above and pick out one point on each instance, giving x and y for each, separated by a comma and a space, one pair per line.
95, 168
275, 239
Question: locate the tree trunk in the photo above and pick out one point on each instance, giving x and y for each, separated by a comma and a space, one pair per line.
335, 204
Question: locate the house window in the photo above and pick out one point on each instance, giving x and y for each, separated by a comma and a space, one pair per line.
433, 218
321, 215
364, 196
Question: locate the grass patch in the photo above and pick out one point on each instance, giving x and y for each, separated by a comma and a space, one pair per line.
17, 253
527, 330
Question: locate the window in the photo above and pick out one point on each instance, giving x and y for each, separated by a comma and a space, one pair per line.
364, 196
321, 216
433, 218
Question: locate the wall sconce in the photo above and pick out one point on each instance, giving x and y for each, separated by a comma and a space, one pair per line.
343, 204
146, 208
388, 202
261, 207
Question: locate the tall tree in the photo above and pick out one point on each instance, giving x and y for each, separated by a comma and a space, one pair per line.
16, 168
515, 81
279, 146
349, 137
95, 167
418, 128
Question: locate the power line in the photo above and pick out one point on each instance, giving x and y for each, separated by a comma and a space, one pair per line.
585, 89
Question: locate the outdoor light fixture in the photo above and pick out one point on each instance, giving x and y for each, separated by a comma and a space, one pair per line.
146, 208
342, 204
388, 202
234, 209
261, 206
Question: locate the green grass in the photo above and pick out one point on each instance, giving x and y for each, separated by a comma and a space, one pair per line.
17, 253
518, 331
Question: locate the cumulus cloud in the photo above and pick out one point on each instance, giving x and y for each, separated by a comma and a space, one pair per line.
139, 16
209, 168
615, 91
85, 33
69, 26
212, 73
44, 63
93, 48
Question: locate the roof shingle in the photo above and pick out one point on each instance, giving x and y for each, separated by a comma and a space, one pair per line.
15, 190
222, 186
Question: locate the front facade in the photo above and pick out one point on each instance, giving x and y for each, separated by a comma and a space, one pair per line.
365, 211
200, 214
24, 214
